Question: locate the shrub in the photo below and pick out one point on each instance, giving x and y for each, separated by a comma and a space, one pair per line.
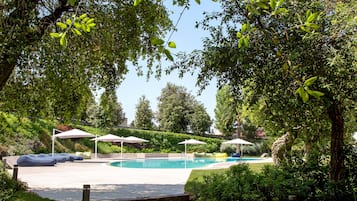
8, 186
307, 180
239, 183
227, 148
257, 149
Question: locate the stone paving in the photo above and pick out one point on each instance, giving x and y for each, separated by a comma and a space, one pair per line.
65, 181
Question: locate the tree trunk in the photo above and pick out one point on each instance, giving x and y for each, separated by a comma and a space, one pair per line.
281, 148
5, 72
21, 17
239, 135
337, 157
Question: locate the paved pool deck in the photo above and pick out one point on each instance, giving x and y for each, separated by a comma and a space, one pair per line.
65, 181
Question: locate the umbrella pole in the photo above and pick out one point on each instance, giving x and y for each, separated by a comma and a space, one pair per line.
96, 147
121, 150
185, 151
53, 142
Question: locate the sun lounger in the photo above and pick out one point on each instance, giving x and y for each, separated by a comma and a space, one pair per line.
71, 157
236, 155
33, 160
61, 158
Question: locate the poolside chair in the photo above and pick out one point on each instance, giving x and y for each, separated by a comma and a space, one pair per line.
235, 155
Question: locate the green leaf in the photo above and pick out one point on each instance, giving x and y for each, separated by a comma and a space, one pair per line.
61, 25
77, 32
91, 25
240, 43
72, 2
252, 10
308, 13
312, 17
316, 94
282, 11
304, 96
85, 28
137, 2
77, 25
63, 40
85, 19
239, 35
91, 20
272, 4
313, 26
285, 67
172, 44
168, 54
280, 2
55, 35
157, 41
310, 81
83, 16
306, 29
244, 27
69, 22
246, 41
262, 5
302, 93
298, 91
198, 2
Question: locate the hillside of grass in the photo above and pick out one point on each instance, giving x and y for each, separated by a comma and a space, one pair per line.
23, 136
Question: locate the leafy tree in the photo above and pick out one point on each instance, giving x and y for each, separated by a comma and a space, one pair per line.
175, 106
58, 79
144, 115
200, 121
225, 111
297, 56
111, 112
177, 109
248, 129
92, 114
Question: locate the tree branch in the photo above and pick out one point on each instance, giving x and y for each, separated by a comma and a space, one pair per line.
56, 14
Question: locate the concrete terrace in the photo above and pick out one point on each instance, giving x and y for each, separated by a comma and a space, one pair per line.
65, 180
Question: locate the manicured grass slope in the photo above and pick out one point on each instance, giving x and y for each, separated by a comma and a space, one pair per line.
22, 136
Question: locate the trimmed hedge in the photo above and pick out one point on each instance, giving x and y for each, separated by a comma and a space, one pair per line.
168, 142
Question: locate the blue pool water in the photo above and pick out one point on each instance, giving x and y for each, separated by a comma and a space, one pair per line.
176, 162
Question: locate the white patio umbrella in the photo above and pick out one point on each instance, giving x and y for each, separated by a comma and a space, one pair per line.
238, 141
105, 138
130, 139
190, 141
74, 133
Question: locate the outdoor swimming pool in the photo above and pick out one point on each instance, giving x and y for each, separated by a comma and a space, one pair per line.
176, 162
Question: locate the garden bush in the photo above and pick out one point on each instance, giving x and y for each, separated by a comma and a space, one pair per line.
228, 149
306, 180
8, 186
168, 142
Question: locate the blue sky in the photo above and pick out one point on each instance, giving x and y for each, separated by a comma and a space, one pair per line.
187, 38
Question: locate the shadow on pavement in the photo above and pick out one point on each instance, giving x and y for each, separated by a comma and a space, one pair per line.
113, 192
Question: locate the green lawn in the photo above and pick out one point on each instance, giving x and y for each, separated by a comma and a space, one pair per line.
197, 175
